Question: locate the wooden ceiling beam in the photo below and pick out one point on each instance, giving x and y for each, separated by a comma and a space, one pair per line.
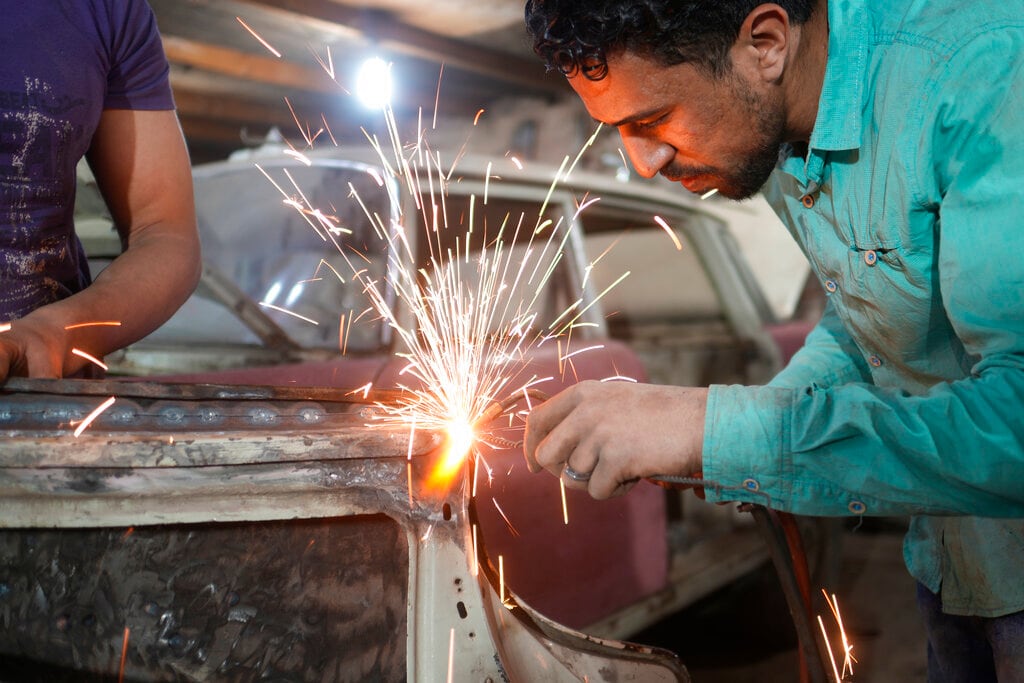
196, 104
248, 66
407, 40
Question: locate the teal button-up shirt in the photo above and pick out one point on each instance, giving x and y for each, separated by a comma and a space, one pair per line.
908, 398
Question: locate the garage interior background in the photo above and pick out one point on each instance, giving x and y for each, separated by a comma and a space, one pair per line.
230, 88
450, 59
464, 72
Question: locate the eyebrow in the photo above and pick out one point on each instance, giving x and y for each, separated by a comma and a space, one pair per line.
639, 116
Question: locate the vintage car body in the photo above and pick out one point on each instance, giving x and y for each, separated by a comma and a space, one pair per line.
615, 567
272, 538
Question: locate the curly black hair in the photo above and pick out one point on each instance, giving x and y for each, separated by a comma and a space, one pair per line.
575, 36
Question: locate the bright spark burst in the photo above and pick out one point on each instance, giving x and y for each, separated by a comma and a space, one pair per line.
467, 318
469, 332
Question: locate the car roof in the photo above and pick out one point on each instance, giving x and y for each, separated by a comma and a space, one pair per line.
459, 166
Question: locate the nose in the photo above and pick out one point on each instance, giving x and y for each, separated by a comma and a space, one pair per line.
647, 155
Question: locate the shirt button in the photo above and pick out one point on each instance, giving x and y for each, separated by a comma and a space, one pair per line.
808, 201
751, 485
831, 286
875, 361
857, 507
870, 257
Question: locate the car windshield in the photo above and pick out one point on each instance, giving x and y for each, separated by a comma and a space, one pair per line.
289, 237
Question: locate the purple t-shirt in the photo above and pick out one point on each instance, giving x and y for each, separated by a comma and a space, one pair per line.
62, 62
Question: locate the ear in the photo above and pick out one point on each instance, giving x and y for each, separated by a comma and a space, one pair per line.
764, 42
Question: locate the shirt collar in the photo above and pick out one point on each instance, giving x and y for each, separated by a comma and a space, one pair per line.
838, 123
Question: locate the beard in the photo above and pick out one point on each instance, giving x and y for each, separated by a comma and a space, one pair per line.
746, 177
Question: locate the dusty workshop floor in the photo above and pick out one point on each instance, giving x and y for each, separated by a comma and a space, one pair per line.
744, 634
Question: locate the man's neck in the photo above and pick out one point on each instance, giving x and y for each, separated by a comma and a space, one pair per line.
804, 89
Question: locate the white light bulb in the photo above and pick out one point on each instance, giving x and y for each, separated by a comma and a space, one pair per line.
373, 83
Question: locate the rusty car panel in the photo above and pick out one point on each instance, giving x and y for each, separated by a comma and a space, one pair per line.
309, 549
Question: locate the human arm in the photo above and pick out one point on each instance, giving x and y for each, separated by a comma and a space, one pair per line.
817, 444
142, 168
827, 358
956, 447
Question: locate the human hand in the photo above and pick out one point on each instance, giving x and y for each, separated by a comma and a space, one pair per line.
32, 348
618, 433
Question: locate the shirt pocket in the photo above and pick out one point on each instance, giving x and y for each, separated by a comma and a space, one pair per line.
890, 301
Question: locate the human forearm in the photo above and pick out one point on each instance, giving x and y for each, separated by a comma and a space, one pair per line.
135, 294
139, 290
864, 450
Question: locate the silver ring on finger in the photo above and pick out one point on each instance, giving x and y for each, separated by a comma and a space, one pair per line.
572, 474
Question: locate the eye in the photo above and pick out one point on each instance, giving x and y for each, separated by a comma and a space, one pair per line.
651, 123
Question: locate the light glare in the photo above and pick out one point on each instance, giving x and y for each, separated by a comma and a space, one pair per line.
373, 84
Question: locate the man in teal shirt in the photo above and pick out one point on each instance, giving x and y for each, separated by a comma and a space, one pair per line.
890, 139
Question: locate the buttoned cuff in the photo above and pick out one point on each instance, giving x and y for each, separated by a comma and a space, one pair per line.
749, 455
744, 450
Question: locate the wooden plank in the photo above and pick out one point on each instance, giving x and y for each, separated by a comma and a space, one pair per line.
230, 62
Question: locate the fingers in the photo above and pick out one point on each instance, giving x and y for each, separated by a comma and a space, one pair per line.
541, 421
618, 433
8, 359
26, 354
568, 452
43, 365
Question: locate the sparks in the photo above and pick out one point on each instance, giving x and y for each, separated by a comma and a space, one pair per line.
671, 233
259, 38
467, 312
501, 577
408, 481
84, 424
89, 357
848, 659
565, 507
451, 654
327, 64
579, 351
515, 532
98, 323
476, 554
461, 438
298, 156
291, 313
124, 655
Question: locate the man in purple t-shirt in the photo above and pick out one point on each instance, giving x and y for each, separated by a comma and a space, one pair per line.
87, 79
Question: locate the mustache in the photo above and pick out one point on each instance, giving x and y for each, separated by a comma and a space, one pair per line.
677, 172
